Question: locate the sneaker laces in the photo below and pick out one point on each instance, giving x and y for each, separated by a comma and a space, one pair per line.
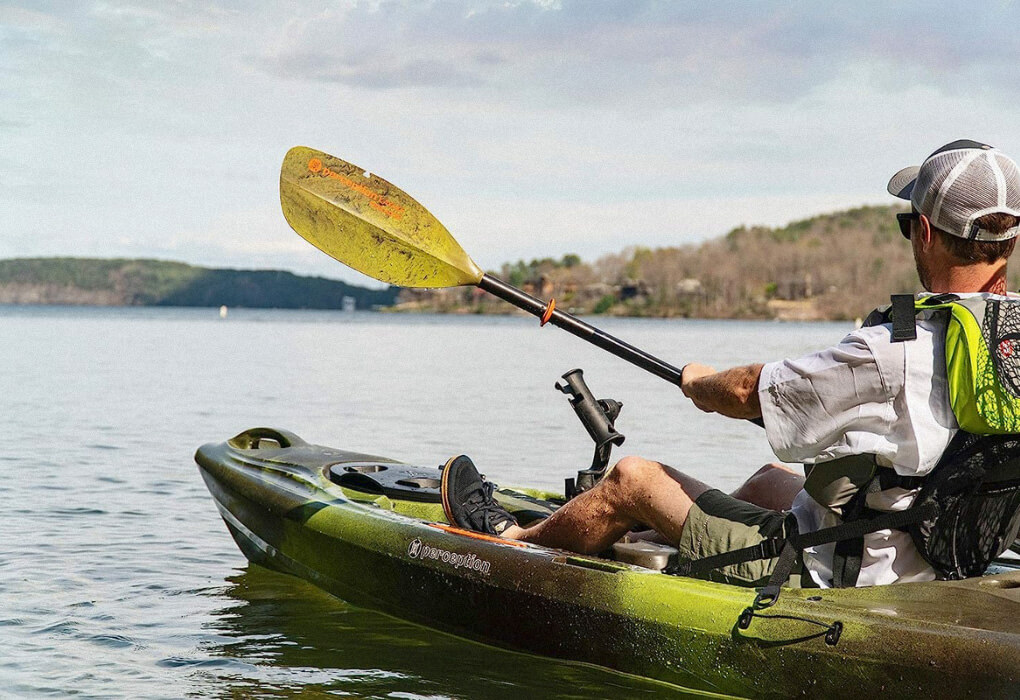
493, 515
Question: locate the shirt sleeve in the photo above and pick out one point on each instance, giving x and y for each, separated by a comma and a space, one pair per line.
828, 404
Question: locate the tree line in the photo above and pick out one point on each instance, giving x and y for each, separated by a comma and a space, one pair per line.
833, 266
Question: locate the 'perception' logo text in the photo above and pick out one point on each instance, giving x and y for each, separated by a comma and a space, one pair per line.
419, 550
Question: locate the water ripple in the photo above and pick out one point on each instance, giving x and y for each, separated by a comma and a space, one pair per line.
117, 641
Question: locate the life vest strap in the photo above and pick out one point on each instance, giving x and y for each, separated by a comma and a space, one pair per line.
904, 318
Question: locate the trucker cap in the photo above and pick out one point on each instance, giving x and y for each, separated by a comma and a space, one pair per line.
960, 182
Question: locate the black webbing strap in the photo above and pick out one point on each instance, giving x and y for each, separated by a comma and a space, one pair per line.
768, 595
903, 317
884, 314
789, 548
845, 532
848, 554
766, 549
859, 528
847, 557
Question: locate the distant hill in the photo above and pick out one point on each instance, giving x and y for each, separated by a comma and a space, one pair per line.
833, 266
123, 282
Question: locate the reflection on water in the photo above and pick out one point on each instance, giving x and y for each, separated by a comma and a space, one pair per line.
279, 636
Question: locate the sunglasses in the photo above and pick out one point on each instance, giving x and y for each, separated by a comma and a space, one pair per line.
904, 220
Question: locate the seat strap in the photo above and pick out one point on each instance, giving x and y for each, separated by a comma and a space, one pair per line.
766, 549
768, 595
865, 526
789, 548
847, 556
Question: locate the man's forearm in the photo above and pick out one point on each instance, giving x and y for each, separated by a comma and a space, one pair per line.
732, 392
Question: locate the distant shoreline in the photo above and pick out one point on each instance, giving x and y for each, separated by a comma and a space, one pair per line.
833, 267
792, 312
383, 312
139, 282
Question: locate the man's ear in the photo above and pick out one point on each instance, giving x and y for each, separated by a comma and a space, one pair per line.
925, 227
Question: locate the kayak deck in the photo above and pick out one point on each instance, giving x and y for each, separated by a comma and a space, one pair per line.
381, 544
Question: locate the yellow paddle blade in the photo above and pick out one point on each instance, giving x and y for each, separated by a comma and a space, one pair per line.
369, 224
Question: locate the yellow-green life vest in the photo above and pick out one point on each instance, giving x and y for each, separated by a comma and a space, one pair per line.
982, 358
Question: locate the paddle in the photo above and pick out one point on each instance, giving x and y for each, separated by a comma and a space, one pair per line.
372, 226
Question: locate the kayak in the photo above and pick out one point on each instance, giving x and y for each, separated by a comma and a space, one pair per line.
371, 531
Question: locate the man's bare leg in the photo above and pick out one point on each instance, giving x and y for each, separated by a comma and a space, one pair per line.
774, 486
634, 491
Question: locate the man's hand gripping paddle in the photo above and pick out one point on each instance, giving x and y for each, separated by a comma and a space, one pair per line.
372, 226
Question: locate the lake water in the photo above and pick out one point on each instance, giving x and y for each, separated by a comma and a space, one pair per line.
117, 577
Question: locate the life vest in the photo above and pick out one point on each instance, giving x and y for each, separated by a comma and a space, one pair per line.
982, 354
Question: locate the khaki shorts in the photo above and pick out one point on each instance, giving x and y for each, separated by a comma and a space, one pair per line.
721, 523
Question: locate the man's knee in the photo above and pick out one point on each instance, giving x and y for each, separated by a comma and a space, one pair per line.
773, 486
766, 470
631, 474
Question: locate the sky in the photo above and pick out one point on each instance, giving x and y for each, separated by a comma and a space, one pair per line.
530, 128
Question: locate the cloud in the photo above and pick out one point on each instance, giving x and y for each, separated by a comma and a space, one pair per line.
659, 53
387, 71
10, 124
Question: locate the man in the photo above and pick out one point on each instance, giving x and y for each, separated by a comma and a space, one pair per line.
868, 398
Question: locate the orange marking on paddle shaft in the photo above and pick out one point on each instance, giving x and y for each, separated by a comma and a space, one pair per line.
377, 201
550, 307
476, 535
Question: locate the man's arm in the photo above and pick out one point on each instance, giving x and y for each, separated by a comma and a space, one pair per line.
732, 392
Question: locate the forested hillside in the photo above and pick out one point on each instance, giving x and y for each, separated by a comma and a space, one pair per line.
836, 266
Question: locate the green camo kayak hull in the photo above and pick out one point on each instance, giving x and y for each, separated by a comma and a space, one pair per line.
318, 513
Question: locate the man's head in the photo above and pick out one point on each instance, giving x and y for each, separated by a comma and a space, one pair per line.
965, 207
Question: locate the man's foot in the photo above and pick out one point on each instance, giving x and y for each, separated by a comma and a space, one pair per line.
468, 501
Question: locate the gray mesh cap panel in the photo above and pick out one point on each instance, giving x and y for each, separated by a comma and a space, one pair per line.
956, 185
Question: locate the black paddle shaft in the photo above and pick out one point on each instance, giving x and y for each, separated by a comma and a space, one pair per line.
572, 324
